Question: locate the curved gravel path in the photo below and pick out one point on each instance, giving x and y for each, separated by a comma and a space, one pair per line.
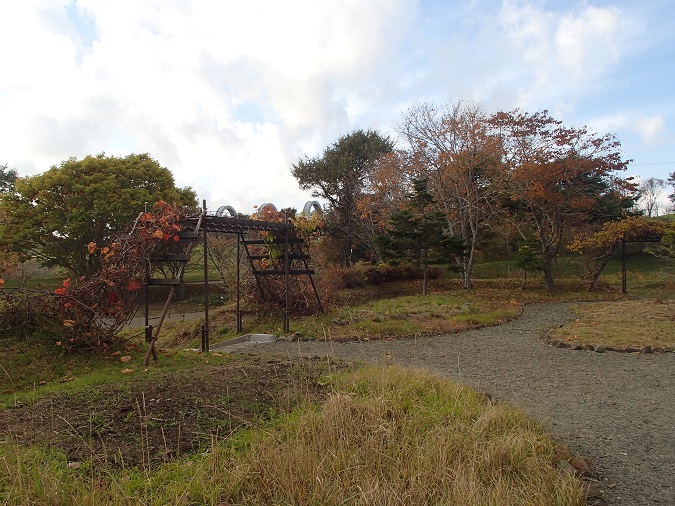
615, 408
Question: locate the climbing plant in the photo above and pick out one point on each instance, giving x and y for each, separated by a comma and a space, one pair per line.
88, 312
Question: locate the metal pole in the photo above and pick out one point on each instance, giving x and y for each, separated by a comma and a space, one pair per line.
239, 324
287, 324
623, 264
146, 278
205, 343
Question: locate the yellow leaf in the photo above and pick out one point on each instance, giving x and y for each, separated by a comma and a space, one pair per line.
68, 323
127, 371
125, 359
158, 234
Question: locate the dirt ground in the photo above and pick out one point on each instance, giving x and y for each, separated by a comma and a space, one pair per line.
153, 420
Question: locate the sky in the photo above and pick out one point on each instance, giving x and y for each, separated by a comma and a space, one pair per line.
228, 94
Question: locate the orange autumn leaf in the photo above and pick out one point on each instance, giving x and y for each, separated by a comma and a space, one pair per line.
125, 359
91, 247
66, 283
133, 285
2, 281
157, 234
127, 371
105, 250
60, 291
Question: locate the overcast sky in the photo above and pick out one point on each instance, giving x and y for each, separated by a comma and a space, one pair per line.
228, 94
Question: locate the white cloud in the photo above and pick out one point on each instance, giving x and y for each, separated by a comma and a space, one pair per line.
229, 94
651, 128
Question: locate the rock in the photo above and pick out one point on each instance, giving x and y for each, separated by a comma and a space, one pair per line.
630, 349
74, 465
599, 349
575, 346
658, 349
582, 466
646, 349
554, 343
588, 347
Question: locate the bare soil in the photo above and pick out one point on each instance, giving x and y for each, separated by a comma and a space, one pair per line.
155, 419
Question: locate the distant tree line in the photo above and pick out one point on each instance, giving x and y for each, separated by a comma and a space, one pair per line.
524, 177
456, 184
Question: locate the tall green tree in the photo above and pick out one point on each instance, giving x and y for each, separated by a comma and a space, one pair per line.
671, 181
419, 233
339, 177
53, 216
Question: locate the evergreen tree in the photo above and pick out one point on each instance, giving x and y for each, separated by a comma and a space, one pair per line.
419, 233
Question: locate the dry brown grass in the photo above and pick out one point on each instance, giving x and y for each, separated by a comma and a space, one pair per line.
403, 437
624, 323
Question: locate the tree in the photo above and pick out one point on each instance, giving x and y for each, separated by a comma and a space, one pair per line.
671, 181
454, 149
7, 178
649, 191
53, 216
339, 176
559, 178
419, 232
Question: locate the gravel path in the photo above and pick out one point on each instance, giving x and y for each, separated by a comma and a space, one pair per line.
615, 408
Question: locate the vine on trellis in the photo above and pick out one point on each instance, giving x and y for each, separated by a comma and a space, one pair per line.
91, 311
305, 227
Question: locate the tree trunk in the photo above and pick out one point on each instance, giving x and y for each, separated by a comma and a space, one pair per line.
425, 279
549, 282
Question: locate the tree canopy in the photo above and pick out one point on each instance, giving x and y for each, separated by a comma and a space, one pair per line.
559, 178
339, 176
53, 216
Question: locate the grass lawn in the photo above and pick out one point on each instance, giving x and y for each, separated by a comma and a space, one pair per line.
624, 323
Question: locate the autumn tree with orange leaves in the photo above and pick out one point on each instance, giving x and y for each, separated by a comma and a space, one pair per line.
453, 148
559, 179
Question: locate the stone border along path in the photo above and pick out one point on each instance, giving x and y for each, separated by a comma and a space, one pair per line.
618, 409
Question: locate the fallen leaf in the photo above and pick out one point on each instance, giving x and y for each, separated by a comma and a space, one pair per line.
125, 359
217, 354
127, 371
91, 247
116, 353
68, 323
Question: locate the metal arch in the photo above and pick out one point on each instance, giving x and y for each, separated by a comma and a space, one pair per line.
312, 206
221, 211
265, 205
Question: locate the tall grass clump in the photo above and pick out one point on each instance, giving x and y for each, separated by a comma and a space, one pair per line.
395, 436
